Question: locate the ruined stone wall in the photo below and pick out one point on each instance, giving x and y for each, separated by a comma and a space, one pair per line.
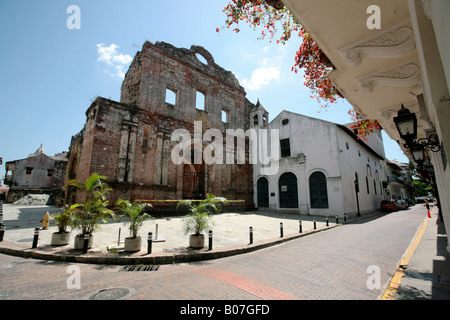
130, 142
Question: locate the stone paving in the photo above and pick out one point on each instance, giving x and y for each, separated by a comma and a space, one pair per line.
230, 231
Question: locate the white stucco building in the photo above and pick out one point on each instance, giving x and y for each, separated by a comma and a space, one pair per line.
318, 166
402, 59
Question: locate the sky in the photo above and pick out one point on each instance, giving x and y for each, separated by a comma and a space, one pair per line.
53, 66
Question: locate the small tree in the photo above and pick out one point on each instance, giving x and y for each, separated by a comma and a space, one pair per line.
64, 219
134, 211
199, 219
95, 208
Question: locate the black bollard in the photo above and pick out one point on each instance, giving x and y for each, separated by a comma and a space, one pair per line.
337, 219
281, 229
149, 243
300, 229
326, 219
86, 243
315, 226
210, 240
345, 217
251, 234
35, 238
2, 232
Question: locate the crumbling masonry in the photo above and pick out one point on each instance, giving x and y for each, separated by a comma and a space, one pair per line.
166, 88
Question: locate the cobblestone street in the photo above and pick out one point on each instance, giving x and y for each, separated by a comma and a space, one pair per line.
328, 265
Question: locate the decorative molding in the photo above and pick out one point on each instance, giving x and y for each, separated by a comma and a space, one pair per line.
404, 75
393, 43
391, 112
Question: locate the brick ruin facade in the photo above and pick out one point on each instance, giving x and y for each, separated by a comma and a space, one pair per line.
130, 141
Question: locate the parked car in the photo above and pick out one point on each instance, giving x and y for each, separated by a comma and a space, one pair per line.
389, 205
402, 205
420, 200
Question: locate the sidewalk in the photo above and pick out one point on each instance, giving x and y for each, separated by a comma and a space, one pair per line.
169, 245
427, 275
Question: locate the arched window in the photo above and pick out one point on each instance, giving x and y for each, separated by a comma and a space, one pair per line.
367, 185
318, 190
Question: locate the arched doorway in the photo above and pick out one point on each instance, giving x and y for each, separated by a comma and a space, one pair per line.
263, 193
194, 179
288, 191
318, 190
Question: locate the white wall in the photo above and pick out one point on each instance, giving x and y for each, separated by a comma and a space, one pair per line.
325, 148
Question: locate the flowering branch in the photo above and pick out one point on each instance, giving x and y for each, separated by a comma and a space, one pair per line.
309, 57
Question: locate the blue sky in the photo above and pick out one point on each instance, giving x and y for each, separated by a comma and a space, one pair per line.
50, 73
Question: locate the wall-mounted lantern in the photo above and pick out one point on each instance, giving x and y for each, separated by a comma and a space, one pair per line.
406, 123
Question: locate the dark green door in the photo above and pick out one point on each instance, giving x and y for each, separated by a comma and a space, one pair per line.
288, 191
318, 190
263, 193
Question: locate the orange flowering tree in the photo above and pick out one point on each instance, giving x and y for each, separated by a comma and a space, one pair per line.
309, 57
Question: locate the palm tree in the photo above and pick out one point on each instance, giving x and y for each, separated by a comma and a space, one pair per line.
199, 219
134, 211
95, 207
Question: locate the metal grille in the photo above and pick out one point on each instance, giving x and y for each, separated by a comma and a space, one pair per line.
140, 268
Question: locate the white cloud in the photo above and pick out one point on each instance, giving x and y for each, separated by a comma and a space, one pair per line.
261, 76
115, 61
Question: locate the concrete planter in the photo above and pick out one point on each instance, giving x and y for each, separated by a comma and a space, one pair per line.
60, 239
196, 242
133, 244
79, 242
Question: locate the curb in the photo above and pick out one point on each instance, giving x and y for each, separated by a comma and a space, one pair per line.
158, 258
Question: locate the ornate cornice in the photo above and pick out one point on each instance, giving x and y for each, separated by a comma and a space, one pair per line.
404, 75
392, 43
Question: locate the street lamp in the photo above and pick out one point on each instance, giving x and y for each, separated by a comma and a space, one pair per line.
406, 123
418, 153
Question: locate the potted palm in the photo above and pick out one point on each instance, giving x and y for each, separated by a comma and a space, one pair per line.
63, 220
137, 216
93, 211
199, 218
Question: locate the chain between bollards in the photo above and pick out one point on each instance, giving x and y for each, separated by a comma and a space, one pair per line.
251, 234
35, 238
149, 243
